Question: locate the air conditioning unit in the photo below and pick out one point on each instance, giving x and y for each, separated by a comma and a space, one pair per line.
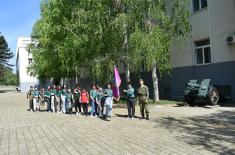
231, 39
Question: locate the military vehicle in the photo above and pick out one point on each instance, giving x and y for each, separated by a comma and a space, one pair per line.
202, 92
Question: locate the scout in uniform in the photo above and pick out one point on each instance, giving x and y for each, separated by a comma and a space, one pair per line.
93, 94
130, 100
36, 96
143, 95
64, 97
42, 97
53, 100
47, 98
108, 93
58, 100
77, 102
30, 98
70, 101
99, 97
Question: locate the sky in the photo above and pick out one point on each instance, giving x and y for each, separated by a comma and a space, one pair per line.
17, 18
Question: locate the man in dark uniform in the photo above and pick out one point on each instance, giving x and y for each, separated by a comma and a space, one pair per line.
143, 95
130, 93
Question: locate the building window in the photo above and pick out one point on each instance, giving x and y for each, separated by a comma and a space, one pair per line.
202, 52
30, 61
199, 4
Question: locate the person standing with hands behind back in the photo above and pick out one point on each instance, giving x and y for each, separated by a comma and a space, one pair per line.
130, 100
143, 95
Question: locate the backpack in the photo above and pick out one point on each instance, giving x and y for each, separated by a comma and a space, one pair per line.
84, 97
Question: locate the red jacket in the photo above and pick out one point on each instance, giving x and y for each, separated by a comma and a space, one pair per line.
84, 97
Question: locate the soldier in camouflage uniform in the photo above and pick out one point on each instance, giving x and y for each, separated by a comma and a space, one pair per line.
143, 95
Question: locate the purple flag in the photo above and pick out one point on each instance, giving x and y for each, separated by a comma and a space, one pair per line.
117, 83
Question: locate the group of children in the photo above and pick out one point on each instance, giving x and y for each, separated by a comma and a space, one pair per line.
63, 100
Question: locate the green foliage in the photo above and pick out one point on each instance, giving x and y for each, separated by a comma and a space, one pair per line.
7, 77
96, 34
151, 41
5, 53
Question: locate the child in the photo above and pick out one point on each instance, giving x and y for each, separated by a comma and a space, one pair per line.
84, 99
93, 94
58, 99
53, 100
64, 97
77, 102
47, 98
42, 97
108, 93
30, 98
98, 101
70, 101
36, 99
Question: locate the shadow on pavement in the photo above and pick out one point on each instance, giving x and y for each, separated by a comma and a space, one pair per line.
125, 116
206, 105
215, 132
5, 91
122, 116
119, 106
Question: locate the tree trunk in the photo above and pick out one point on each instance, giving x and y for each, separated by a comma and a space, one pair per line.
126, 65
62, 81
127, 73
76, 75
155, 84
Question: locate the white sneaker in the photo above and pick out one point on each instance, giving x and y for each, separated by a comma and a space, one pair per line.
77, 113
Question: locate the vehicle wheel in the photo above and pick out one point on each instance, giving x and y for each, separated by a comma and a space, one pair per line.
213, 96
189, 99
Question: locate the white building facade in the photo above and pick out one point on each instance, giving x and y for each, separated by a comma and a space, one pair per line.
207, 53
23, 60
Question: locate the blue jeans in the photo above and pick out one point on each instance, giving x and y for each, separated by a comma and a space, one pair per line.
109, 106
68, 105
93, 108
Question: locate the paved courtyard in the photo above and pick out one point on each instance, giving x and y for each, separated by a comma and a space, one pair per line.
171, 130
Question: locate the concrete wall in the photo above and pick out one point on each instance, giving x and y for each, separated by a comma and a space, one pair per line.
222, 19
221, 74
25, 80
216, 22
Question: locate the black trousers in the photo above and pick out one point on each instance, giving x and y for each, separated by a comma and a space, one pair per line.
31, 104
102, 102
77, 105
131, 107
85, 108
48, 101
